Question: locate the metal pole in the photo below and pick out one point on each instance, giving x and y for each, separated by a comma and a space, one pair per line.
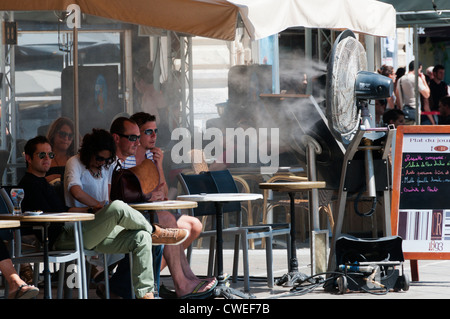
75, 24
308, 56
76, 114
3, 87
14, 108
190, 73
416, 73
129, 101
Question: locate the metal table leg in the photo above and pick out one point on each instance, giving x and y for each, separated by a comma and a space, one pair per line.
222, 289
289, 279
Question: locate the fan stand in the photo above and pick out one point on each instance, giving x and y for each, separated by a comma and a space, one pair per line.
294, 276
355, 146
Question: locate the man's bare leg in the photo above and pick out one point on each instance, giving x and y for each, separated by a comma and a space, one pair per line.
185, 281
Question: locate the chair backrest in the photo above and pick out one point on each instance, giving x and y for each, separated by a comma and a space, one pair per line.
4, 155
6, 207
226, 184
210, 182
224, 181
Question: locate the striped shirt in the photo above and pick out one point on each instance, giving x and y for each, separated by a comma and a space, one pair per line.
130, 161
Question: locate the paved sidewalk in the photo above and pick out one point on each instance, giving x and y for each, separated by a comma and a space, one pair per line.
434, 277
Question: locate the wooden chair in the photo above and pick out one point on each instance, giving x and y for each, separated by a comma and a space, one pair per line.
324, 202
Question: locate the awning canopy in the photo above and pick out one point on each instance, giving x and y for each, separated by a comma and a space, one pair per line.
425, 13
263, 18
218, 18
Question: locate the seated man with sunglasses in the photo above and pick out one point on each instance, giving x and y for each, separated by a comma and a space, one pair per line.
187, 284
126, 137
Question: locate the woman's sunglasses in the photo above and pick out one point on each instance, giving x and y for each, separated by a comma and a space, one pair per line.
63, 134
107, 161
42, 155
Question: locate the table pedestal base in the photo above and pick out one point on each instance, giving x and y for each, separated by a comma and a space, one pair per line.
291, 278
223, 290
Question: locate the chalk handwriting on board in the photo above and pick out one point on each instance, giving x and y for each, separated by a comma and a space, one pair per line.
427, 174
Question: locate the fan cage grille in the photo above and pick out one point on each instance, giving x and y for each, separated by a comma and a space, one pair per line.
350, 58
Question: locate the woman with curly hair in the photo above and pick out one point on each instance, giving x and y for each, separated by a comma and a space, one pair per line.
88, 174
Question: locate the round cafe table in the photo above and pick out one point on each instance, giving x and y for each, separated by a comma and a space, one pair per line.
9, 223
45, 219
291, 188
219, 199
164, 205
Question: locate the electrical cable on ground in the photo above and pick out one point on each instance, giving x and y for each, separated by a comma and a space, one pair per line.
317, 281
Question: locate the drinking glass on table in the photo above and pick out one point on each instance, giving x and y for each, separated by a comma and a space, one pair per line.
17, 195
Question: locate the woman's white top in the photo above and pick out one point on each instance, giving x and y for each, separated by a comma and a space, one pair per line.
77, 174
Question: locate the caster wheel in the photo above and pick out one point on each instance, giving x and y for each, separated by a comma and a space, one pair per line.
402, 283
342, 284
405, 282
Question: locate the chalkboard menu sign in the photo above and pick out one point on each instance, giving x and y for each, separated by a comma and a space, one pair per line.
421, 191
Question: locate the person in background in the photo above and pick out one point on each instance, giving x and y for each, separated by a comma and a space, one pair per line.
407, 96
380, 108
398, 74
394, 116
444, 109
60, 135
438, 87
153, 101
429, 74
388, 71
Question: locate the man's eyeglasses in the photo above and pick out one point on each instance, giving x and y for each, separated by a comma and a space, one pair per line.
99, 158
63, 134
150, 131
131, 138
42, 155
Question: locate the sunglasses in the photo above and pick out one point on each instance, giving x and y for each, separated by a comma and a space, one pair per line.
150, 131
42, 155
131, 138
99, 158
63, 134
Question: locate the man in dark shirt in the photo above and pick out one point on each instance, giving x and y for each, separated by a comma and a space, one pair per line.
39, 193
438, 88
444, 109
42, 194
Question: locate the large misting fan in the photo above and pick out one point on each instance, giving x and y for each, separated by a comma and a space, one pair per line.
350, 87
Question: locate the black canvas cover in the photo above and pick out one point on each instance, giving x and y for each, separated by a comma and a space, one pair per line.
350, 249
